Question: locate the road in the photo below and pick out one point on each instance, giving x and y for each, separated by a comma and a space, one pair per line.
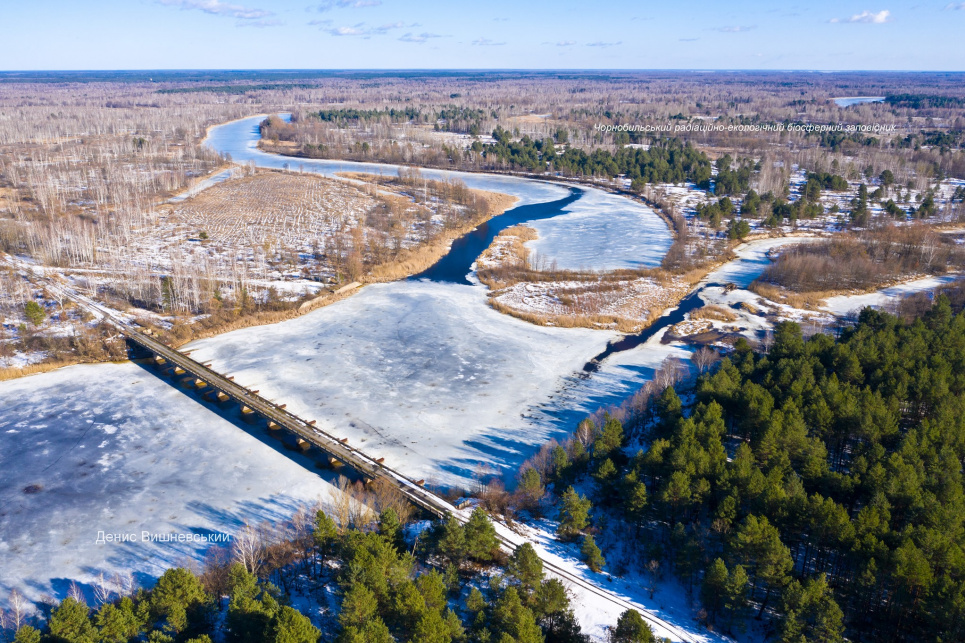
364, 464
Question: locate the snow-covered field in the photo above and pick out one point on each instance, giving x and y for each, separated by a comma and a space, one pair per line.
113, 448
846, 304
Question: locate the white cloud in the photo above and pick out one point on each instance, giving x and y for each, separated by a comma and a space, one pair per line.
737, 29
360, 29
956, 6
486, 42
261, 24
347, 4
866, 17
218, 8
566, 43
418, 38
688, 39
604, 44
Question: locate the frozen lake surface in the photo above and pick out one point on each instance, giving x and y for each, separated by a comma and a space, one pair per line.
421, 373
848, 101
114, 448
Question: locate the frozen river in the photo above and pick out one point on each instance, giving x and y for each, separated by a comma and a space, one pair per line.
421, 372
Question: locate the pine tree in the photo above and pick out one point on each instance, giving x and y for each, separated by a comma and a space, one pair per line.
574, 514
526, 567
760, 546
325, 533
714, 590
118, 623
591, 554
560, 463
631, 628
358, 607
179, 599
811, 614
530, 489
605, 475
480, 536
27, 634
391, 529
610, 439
290, 626
511, 618
70, 623
736, 598
634, 500
452, 541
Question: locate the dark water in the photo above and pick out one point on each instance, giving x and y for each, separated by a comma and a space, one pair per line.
628, 342
455, 265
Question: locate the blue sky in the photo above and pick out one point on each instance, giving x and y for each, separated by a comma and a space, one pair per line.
519, 34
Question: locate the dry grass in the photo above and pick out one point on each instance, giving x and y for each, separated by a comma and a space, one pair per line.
413, 260
623, 300
804, 301
596, 322
13, 373
714, 313
275, 209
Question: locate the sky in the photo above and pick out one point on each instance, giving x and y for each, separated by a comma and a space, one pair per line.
484, 34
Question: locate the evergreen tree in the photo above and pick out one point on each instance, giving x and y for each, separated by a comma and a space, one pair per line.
591, 554
359, 606
811, 614
452, 540
70, 623
530, 488
574, 514
179, 600
480, 536
118, 623
290, 626
511, 618
713, 593
608, 443
761, 549
325, 533
27, 634
526, 567
631, 628
391, 529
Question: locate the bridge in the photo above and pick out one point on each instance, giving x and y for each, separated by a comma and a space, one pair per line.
336, 449
278, 417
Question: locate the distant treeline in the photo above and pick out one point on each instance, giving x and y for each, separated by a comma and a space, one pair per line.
920, 101
451, 119
343, 115
233, 89
666, 161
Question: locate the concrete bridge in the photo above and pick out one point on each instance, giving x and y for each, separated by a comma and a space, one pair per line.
306, 432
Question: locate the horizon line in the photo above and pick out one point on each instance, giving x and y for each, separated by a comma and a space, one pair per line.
482, 70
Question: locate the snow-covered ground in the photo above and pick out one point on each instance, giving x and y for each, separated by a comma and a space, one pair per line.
670, 613
751, 261
847, 304
113, 448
